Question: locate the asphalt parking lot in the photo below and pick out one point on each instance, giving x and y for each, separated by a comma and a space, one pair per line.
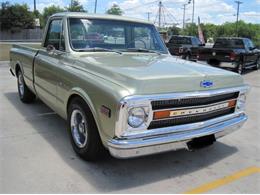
36, 155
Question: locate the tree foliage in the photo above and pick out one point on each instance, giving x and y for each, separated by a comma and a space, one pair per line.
115, 10
228, 29
48, 11
15, 17
76, 7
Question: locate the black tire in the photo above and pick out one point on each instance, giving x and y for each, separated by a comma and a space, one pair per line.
240, 68
257, 66
187, 56
92, 149
25, 94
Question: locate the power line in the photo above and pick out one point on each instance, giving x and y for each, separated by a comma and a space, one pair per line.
140, 6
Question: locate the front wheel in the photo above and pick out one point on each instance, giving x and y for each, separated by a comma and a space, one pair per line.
257, 64
83, 131
24, 92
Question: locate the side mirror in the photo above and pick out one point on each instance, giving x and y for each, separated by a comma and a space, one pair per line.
50, 48
252, 48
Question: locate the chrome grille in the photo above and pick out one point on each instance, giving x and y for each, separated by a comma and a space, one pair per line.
188, 119
177, 103
196, 102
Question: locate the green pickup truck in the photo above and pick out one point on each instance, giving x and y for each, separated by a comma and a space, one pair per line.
114, 81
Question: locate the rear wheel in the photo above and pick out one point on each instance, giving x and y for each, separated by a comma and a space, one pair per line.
83, 131
24, 92
187, 56
240, 68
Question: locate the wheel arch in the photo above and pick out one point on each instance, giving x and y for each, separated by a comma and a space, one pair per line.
78, 92
17, 67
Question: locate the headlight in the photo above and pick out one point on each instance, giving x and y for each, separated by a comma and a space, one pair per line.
241, 101
136, 117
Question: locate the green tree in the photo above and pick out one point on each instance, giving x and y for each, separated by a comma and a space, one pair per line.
15, 17
48, 11
76, 7
115, 10
173, 30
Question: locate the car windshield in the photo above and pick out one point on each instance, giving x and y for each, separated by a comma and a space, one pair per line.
229, 43
86, 34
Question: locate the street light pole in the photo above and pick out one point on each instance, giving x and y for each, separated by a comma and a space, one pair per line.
34, 3
238, 5
160, 13
193, 11
184, 9
95, 10
148, 15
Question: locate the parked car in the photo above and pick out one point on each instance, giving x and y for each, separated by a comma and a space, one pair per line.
234, 53
132, 101
184, 46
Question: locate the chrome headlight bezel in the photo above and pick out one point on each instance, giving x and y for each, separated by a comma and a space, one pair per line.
241, 102
136, 117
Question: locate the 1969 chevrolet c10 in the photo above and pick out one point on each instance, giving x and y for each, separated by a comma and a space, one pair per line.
114, 81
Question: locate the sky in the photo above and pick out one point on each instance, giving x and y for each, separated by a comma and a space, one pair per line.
209, 11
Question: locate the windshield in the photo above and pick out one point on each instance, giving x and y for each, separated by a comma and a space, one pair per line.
229, 43
111, 34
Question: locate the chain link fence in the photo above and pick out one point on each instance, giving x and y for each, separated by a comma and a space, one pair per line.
22, 35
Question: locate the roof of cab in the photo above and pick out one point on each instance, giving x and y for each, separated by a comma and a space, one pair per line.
99, 16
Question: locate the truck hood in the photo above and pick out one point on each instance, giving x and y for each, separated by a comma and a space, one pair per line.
141, 73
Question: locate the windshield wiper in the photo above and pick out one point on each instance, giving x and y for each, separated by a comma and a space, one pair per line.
143, 50
97, 49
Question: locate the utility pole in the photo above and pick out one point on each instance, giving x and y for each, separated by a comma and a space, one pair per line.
95, 10
238, 5
34, 3
193, 11
148, 15
184, 9
160, 13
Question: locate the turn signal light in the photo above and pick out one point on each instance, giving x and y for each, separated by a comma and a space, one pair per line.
161, 114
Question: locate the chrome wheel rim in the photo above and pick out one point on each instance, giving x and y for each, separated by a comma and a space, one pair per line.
240, 68
21, 84
78, 128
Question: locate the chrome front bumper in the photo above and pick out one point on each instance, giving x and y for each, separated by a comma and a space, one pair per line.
134, 147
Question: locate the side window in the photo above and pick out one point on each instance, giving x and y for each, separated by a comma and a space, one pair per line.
54, 34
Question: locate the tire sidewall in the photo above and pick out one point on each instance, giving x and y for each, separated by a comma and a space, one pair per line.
79, 105
94, 149
18, 85
240, 68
